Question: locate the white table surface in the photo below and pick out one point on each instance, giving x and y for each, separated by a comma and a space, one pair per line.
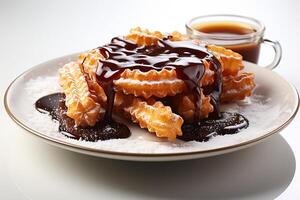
32, 32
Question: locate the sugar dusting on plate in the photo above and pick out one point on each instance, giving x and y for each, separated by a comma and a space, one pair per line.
255, 109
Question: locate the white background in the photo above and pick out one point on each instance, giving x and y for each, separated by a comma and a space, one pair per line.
32, 32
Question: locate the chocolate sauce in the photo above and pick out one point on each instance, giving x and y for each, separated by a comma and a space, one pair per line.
228, 123
186, 57
54, 105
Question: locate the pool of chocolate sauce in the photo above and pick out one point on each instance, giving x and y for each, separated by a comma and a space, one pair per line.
227, 123
186, 57
54, 105
248, 49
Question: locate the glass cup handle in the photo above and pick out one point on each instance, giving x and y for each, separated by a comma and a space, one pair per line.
278, 53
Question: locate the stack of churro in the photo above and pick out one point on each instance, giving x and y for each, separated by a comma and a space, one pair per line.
158, 100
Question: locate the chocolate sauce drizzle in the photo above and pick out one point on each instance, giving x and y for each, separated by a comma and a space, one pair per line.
186, 57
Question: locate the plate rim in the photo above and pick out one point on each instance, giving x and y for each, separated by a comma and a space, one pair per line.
106, 153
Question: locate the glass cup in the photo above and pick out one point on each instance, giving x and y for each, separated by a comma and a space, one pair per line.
238, 33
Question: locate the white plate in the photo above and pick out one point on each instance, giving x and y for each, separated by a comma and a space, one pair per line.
272, 107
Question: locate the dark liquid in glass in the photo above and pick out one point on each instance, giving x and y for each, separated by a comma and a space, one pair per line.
249, 50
